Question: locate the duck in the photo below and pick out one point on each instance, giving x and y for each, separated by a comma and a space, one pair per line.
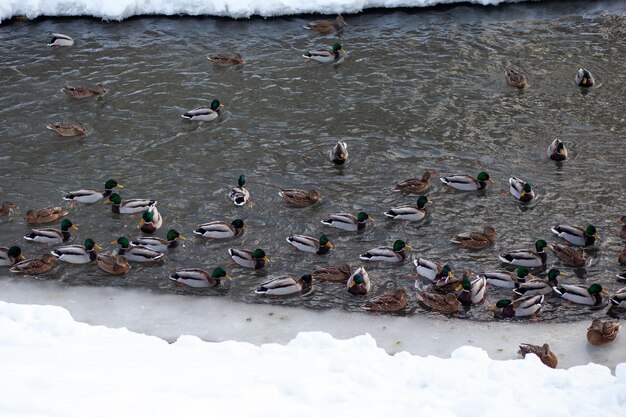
602, 331
59, 39
568, 255
157, 243
467, 182
429, 269
415, 185
506, 279
304, 243
579, 294
618, 300
529, 305
44, 215
324, 26
521, 189
476, 240
584, 78
527, 258
359, 282
348, 222
539, 286
621, 258
284, 285
249, 259
515, 78
338, 155
325, 55
137, 253
226, 60
392, 254
575, 235
220, 230
204, 114
409, 212
35, 266
77, 254
444, 282
92, 196
131, 206
151, 220
113, 264
10, 256
387, 303
441, 303
334, 273
556, 151
299, 198
199, 278
83, 92
621, 276
52, 236
622, 221
543, 352
68, 129
240, 194
471, 292
7, 207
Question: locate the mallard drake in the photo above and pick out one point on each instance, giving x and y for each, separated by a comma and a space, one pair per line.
249, 259
151, 220
68, 129
335, 273
387, 303
409, 212
415, 185
584, 78
226, 60
52, 236
199, 278
159, 244
113, 264
324, 26
393, 254
471, 292
441, 303
310, 244
7, 207
338, 155
284, 285
83, 92
575, 235
506, 279
59, 39
476, 240
359, 282
556, 151
579, 294
521, 189
569, 256
35, 266
137, 253
544, 353
240, 194
528, 305
299, 198
204, 114
77, 254
444, 282
429, 269
527, 258
132, 206
618, 300
349, 222
538, 286
622, 256
44, 215
515, 78
220, 230
10, 256
602, 331
622, 233
326, 55
467, 182
92, 196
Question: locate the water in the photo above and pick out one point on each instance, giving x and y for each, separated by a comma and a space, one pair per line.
419, 89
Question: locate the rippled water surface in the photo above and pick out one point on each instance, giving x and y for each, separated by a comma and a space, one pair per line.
418, 89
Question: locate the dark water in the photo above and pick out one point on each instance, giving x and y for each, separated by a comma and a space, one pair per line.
419, 89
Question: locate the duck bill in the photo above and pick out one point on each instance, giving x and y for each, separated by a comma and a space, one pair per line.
108, 202
181, 237
330, 245
531, 276
408, 246
523, 193
596, 235
21, 257
493, 308
97, 247
459, 288
370, 219
228, 277
490, 180
266, 259
142, 222
605, 292
115, 242
74, 227
119, 186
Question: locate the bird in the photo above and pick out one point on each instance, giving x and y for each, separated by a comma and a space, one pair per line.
621, 258
51, 236
506, 279
575, 235
359, 282
429, 269
68, 129
151, 220
77, 254
284, 285
159, 244
528, 305
324, 26
467, 182
113, 264
131, 206
299, 198
226, 60
249, 259
387, 302
543, 352
409, 212
335, 273
621, 276
618, 300
199, 278
521, 190
602, 331
527, 258
83, 92
220, 230
59, 39
515, 78
325, 55
539, 286
204, 114
568, 255
92, 196
7, 207
240, 194
392, 254
579, 294
415, 185
10, 256
35, 266
444, 282
137, 253
584, 78
476, 240
338, 155
348, 222
441, 303
556, 151
44, 215
622, 233
310, 244
471, 292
